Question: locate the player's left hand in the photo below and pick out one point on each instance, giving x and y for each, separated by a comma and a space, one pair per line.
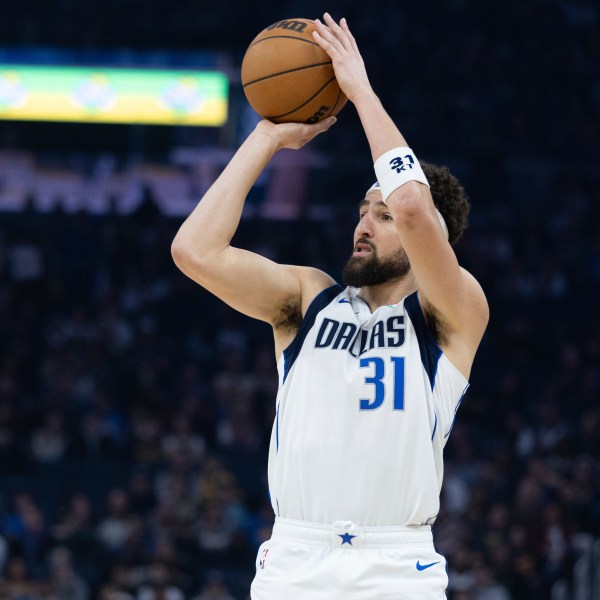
341, 47
293, 135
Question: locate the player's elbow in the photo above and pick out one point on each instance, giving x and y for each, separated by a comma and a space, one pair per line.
192, 260
183, 255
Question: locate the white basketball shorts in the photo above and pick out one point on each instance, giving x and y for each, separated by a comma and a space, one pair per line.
312, 561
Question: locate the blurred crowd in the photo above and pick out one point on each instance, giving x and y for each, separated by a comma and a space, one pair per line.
136, 410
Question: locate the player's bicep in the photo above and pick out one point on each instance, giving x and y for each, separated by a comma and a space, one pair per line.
248, 282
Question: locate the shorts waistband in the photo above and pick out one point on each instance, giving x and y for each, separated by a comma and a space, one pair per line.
346, 534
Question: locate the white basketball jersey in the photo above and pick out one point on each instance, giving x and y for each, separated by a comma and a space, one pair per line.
365, 405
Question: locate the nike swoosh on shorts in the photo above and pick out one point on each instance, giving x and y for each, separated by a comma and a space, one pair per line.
421, 567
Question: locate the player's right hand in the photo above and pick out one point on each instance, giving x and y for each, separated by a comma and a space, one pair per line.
293, 135
339, 43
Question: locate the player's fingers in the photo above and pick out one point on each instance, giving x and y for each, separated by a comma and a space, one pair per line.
344, 26
339, 33
327, 35
319, 127
331, 50
325, 124
313, 130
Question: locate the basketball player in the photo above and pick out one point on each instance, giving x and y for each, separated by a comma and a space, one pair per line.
371, 375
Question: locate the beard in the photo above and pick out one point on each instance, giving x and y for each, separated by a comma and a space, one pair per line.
372, 270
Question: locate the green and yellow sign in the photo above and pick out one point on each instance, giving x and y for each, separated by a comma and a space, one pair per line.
96, 95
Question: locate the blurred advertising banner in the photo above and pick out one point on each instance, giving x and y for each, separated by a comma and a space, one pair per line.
113, 95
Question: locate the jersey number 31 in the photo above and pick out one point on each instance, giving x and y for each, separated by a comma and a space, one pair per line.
377, 378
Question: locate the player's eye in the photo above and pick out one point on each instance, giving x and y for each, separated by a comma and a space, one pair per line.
387, 217
361, 215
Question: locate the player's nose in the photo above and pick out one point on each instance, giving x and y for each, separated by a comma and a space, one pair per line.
365, 226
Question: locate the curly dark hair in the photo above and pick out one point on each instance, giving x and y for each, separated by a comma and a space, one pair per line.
449, 198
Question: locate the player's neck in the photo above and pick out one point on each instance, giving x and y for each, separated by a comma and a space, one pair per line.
388, 293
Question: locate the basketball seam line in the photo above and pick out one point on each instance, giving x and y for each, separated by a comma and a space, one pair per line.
304, 103
289, 37
336, 102
285, 72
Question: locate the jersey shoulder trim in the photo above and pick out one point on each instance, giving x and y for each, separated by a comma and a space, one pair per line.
290, 354
428, 347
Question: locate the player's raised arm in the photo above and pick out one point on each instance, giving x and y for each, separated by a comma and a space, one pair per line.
246, 281
448, 290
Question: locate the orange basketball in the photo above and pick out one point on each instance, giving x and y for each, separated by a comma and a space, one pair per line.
287, 77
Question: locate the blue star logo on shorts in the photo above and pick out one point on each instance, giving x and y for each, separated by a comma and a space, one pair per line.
346, 538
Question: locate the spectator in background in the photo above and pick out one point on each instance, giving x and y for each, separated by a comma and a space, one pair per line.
182, 439
159, 586
112, 592
76, 522
122, 580
486, 587
141, 495
26, 530
17, 582
66, 584
114, 529
214, 588
147, 431
215, 532
102, 431
49, 442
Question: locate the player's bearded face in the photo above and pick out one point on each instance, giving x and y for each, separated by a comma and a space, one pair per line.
371, 269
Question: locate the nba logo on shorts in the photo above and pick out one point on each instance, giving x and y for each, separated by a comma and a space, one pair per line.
263, 560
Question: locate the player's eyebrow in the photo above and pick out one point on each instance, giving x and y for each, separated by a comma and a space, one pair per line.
365, 203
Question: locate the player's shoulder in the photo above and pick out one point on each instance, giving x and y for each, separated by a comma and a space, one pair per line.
474, 312
473, 293
476, 294
312, 283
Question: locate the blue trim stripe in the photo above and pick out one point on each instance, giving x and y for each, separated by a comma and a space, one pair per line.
456, 409
277, 429
428, 348
290, 354
434, 427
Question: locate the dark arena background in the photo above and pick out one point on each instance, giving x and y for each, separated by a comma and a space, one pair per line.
136, 410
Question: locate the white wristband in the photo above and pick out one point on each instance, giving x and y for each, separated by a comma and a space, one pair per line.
396, 167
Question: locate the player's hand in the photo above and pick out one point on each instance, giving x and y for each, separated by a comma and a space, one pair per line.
293, 135
341, 47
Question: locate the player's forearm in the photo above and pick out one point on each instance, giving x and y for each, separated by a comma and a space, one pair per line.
407, 202
212, 224
382, 133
